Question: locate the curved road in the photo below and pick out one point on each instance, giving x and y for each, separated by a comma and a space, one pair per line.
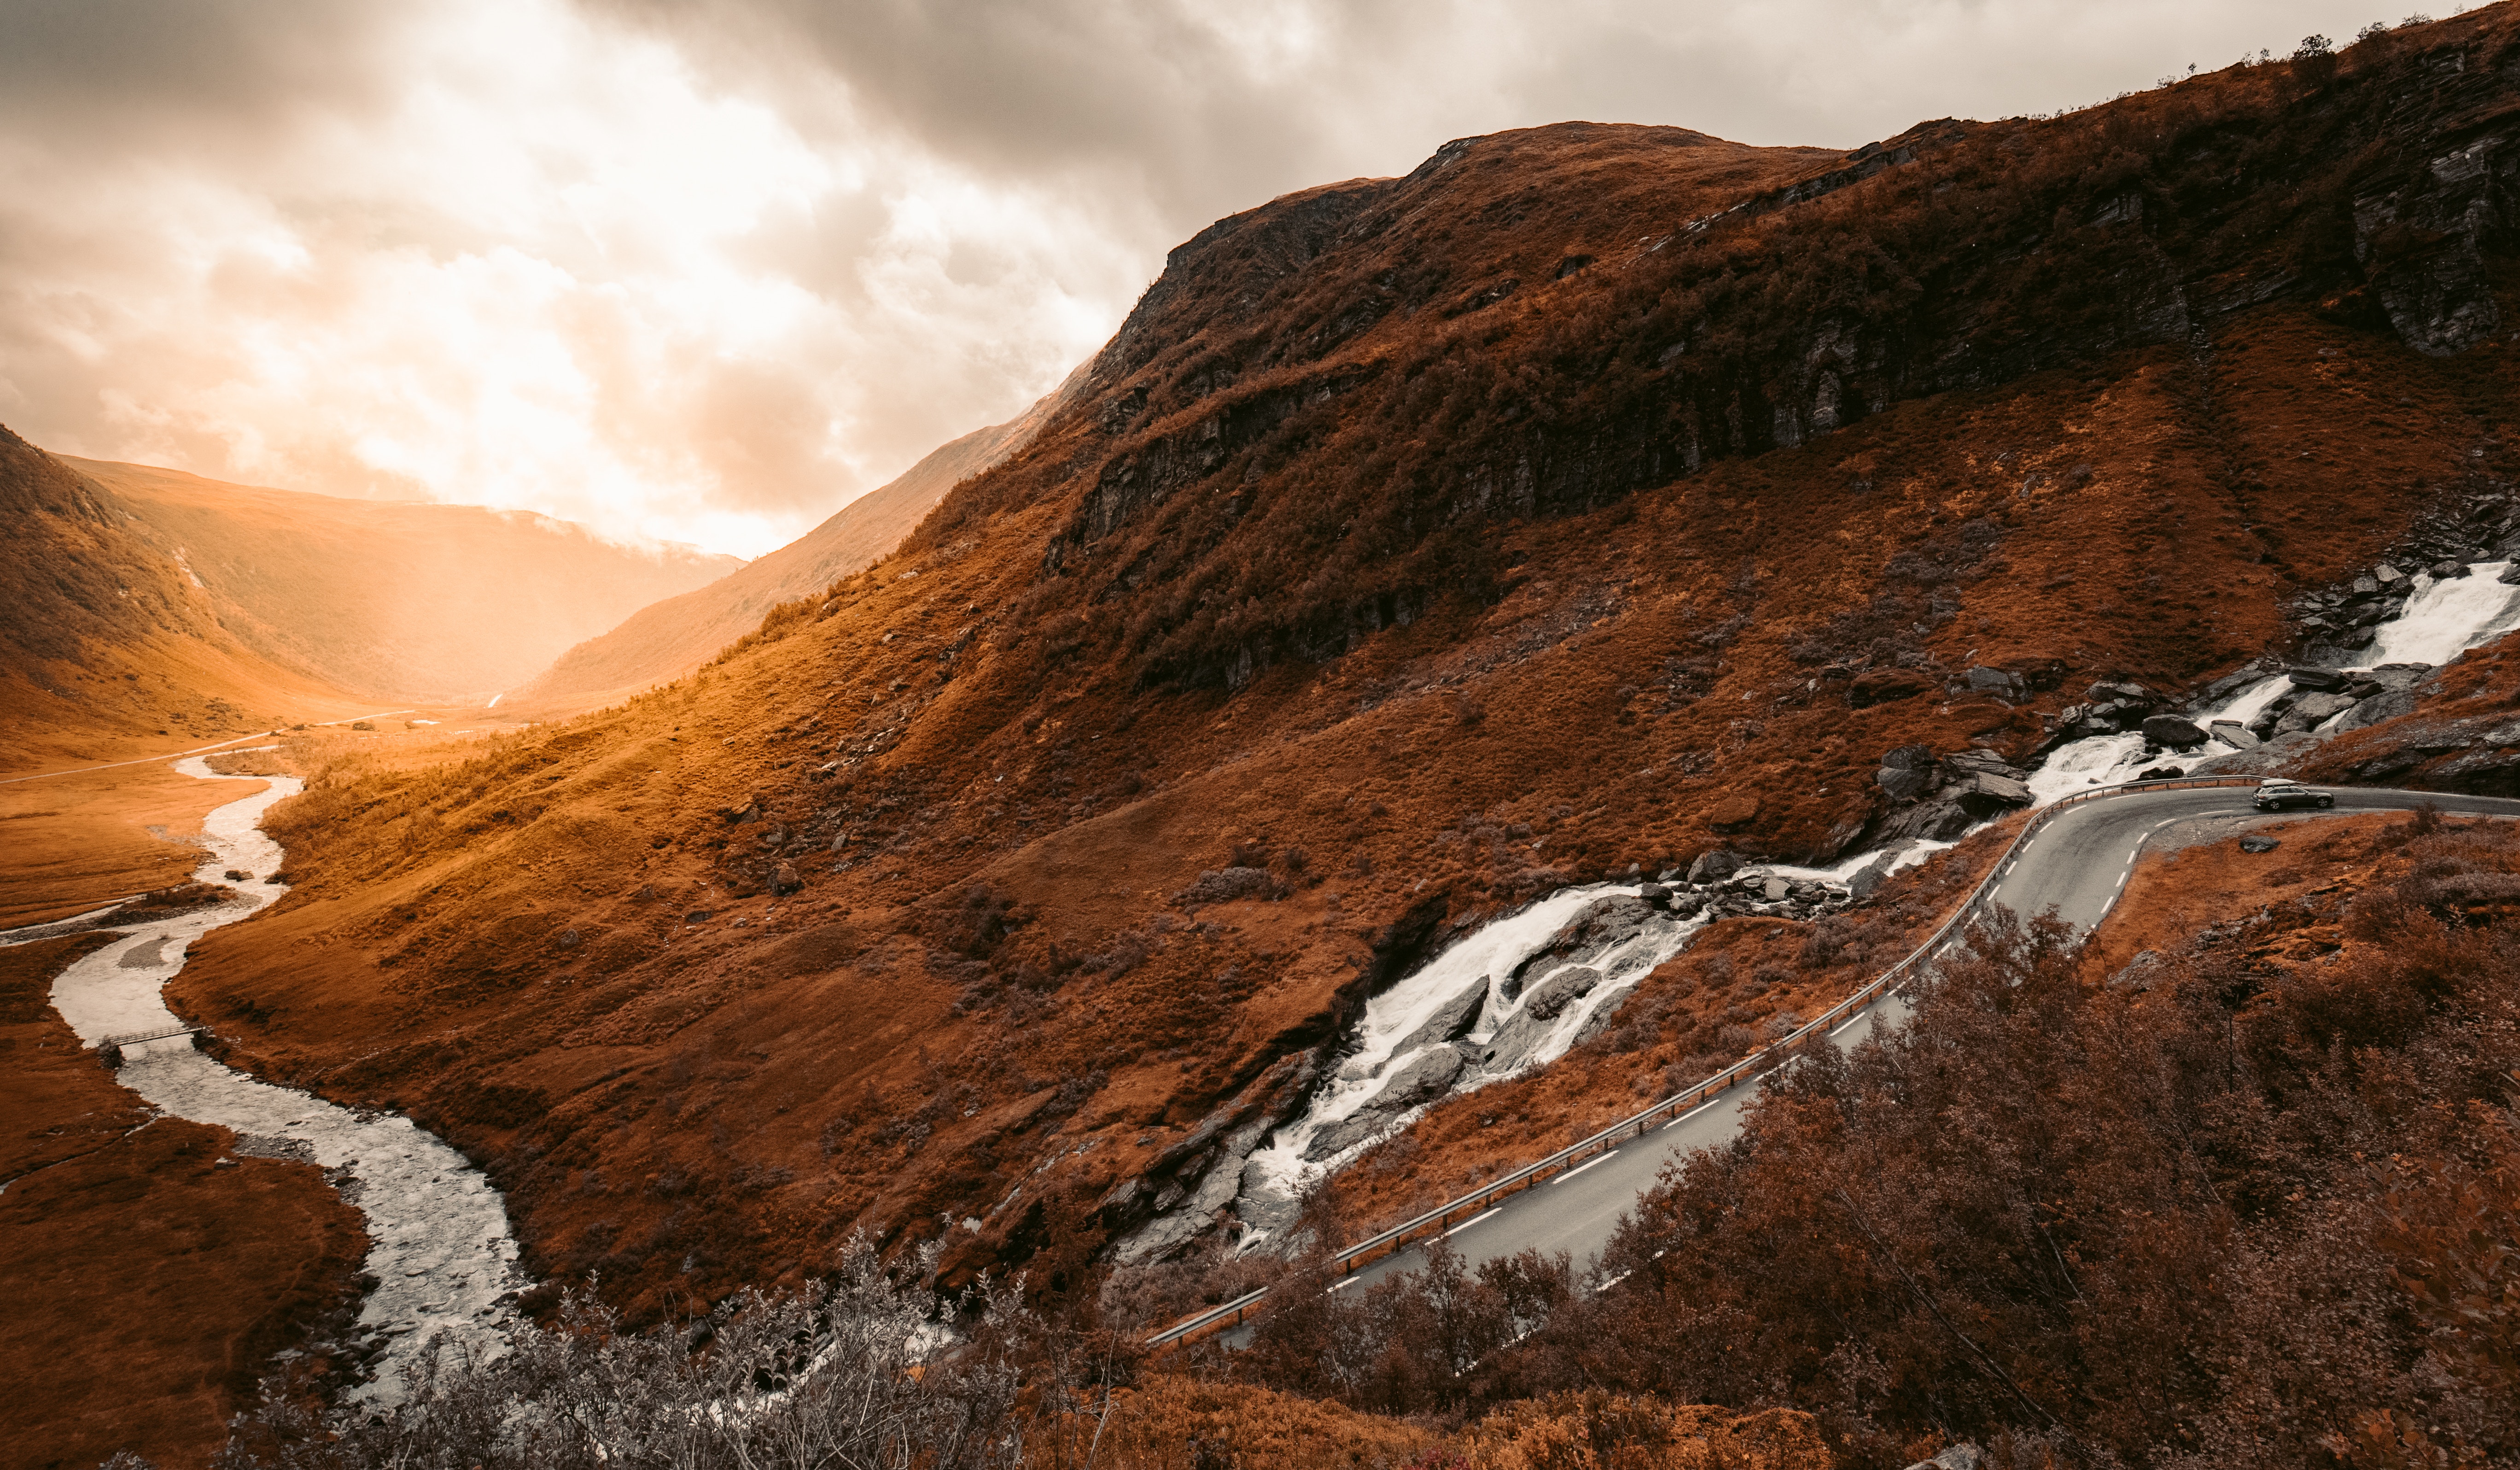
2077, 863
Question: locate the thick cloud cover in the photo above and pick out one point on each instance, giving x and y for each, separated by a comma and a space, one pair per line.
703, 271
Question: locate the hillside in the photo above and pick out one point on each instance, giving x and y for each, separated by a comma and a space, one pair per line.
107, 647
667, 640
396, 600
1590, 499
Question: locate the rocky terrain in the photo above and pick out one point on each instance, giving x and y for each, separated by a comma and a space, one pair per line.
1592, 505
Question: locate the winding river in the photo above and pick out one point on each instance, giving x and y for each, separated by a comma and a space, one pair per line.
439, 1248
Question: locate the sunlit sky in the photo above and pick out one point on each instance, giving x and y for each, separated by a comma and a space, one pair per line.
704, 272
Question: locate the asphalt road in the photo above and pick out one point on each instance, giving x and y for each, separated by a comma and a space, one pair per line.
2077, 863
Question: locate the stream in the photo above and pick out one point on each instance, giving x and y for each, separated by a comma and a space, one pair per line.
439, 1248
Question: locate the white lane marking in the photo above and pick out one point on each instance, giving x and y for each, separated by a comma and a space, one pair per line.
1579, 1168
1691, 1113
1474, 1219
1343, 1283
1851, 1020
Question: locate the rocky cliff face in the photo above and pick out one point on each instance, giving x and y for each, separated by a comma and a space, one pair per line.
1587, 503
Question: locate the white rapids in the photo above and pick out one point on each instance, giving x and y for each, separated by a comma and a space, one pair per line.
1390, 1018
2441, 619
439, 1246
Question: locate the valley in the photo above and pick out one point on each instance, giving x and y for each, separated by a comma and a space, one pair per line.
1735, 674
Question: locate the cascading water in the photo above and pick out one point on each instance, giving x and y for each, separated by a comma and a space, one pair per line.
2441, 619
439, 1249
1493, 1006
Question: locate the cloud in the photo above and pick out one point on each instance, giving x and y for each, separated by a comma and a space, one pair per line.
703, 271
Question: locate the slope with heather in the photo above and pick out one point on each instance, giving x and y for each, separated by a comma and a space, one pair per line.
1588, 499
669, 639
107, 647
396, 600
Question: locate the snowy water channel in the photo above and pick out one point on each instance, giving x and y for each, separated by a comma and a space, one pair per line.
441, 1250
1465, 1019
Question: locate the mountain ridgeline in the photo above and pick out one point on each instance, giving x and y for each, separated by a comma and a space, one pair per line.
1592, 498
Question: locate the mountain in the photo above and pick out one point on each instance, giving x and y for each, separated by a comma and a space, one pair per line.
1590, 501
669, 639
396, 600
105, 643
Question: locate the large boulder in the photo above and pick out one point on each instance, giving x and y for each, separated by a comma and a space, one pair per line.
1429, 1077
2170, 729
2233, 733
2317, 679
1453, 1019
1909, 772
2312, 711
2385, 705
2003, 684
1549, 999
1716, 865
1983, 794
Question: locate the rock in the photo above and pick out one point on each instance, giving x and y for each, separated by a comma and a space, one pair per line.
2170, 729
2364, 587
1603, 1017
1983, 794
785, 881
1422, 1081
1938, 819
1716, 865
1688, 905
2312, 711
2386, 706
1226, 884
2161, 773
2443, 571
1454, 1019
1909, 772
2510, 575
2002, 683
2253, 843
2106, 692
1955, 1458
2397, 675
1885, 685
2387, 575
1732, 812
2317, 679
1774, 890
2233, 733
1656, 894
1869, 879
1963, 763
1551, 997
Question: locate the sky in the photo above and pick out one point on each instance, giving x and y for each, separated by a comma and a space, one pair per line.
703, 272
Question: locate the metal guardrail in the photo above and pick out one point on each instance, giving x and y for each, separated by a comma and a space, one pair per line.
1232, 1314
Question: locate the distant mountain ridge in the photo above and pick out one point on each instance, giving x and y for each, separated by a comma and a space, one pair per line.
670, 638
397, 600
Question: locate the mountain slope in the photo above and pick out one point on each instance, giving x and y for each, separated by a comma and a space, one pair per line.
669, 639
105, 645
1589, 500
396, 600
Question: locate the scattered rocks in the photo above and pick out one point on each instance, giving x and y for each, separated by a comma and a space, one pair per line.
784, 881
2253, 843
1956, 1457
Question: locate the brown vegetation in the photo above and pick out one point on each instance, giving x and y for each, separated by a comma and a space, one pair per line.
875, 921
150, 1275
